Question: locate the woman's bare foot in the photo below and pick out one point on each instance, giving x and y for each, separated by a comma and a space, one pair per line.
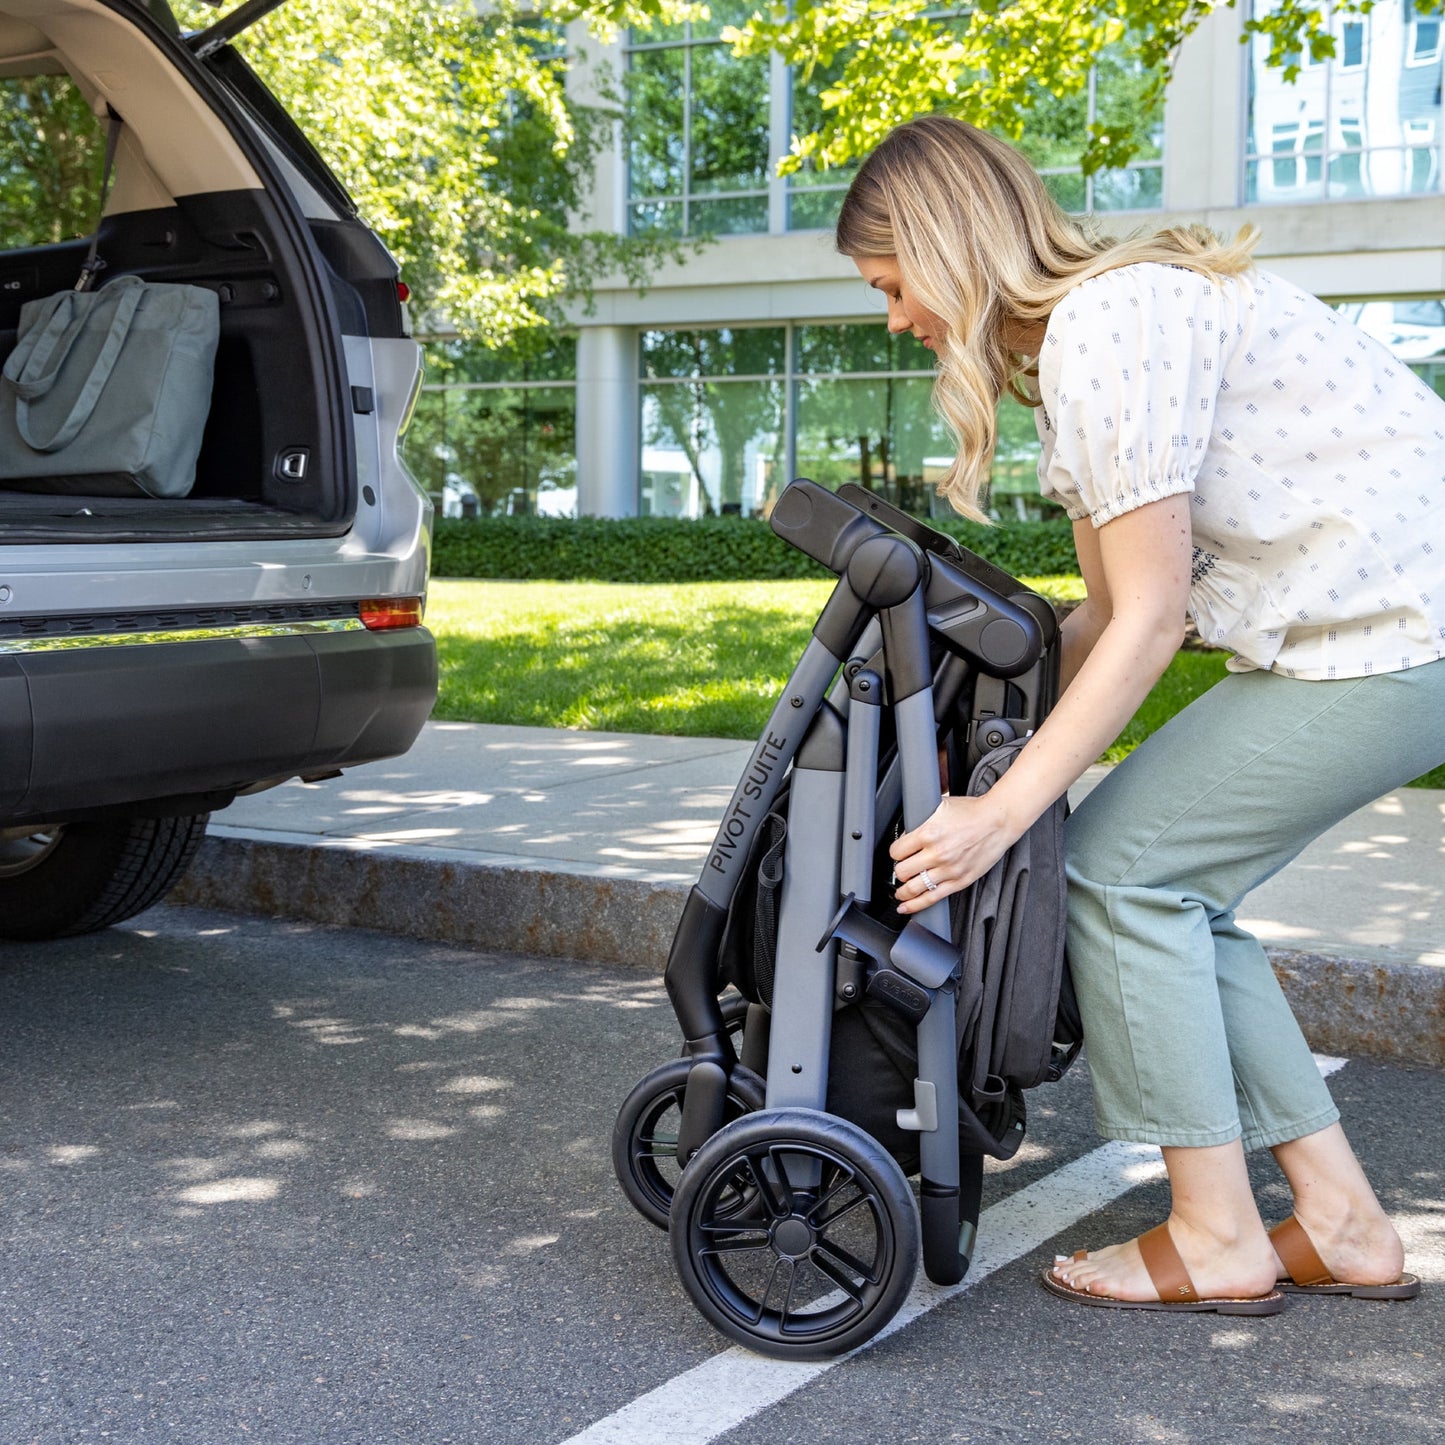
1240, 1267
1359, 1247
1337, 1208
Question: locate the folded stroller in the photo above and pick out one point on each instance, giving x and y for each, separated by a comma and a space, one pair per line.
857, 1048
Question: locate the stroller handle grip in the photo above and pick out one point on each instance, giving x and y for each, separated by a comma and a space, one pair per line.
998, 633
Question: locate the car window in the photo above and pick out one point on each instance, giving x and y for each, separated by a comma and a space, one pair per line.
51, 153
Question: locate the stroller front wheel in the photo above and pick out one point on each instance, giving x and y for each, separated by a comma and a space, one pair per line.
644, 1139
795, 1233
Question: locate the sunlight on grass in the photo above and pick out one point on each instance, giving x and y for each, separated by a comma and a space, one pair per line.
704, 659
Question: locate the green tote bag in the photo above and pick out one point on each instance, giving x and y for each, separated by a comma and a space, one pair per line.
107, 392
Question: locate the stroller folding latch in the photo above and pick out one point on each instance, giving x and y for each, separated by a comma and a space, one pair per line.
776, 1149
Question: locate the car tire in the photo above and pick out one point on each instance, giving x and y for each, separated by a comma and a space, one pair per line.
81, 877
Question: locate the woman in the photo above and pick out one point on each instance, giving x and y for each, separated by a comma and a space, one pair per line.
1228, 445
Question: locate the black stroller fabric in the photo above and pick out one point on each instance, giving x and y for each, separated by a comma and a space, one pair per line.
1013, 951
1017, 1021
749, 949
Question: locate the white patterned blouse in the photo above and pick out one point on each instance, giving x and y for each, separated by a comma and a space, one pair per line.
1316, 461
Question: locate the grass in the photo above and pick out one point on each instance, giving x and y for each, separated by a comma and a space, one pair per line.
704, 659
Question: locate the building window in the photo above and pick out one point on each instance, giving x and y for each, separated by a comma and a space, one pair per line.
814, 195
1413, 329
863, 413
701, 126
697, 131
495, 433
712, 421
1424, 45
729, 416
1058, 131
1363, 124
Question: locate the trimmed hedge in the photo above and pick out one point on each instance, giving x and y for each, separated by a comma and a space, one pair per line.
711, 549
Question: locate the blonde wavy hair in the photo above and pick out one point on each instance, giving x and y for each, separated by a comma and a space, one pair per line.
981, 243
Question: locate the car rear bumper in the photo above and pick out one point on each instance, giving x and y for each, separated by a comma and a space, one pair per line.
94, 724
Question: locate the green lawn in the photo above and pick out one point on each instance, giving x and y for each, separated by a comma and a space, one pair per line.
706, 659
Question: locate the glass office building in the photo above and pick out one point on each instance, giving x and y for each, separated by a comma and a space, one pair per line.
763, 356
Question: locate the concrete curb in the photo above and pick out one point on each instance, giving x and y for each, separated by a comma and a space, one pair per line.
439, 896
1380, 1008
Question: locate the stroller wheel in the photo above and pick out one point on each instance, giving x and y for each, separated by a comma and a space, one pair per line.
644, 1139
795, 1233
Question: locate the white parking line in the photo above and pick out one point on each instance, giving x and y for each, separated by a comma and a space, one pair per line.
719, 1394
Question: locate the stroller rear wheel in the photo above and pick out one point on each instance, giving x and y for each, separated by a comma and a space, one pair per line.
795, 1233
644, 1139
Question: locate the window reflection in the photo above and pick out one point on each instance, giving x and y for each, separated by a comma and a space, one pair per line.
863, 413
712, 421
1057, 134
1364, 123
697, 131
718, 406
495, 432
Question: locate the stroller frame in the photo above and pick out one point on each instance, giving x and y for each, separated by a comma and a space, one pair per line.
912, 625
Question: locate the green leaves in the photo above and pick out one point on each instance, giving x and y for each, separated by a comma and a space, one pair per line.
895, 59
1001, 62
50, 162
451, 126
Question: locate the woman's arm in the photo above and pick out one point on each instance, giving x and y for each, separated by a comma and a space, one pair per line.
1085, 624
1128, 631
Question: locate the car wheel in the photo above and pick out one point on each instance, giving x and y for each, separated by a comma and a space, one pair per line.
69, 878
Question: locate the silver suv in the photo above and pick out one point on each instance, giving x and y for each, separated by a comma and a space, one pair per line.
158, 657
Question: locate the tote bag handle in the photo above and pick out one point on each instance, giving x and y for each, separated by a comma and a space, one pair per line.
34, 366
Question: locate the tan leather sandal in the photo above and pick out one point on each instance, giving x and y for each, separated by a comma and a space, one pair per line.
1170, 1278
1305, 1271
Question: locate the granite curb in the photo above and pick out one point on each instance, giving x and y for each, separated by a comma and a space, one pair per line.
1377, 1007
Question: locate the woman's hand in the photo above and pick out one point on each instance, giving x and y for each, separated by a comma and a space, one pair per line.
957, 845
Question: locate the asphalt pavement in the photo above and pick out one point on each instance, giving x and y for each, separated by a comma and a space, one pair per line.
583, 845
267, 1180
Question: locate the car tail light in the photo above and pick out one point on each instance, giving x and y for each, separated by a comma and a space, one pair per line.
403, 292
380, 614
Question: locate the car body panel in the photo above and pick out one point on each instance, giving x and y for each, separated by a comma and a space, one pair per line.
116, 725
163, 655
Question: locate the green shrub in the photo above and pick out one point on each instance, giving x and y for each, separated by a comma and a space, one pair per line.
711, 549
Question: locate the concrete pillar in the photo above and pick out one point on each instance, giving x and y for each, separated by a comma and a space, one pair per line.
1204, 118
780, 135
592, 73
607, 423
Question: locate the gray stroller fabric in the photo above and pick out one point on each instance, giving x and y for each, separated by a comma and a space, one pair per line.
1017, 1021
1013, 952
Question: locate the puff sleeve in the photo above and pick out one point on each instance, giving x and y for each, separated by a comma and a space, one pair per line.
1129, 374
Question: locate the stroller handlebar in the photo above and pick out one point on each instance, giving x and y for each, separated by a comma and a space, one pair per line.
1004, 634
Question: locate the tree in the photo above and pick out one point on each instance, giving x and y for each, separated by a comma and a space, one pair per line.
998, 62
450, 125
50, 160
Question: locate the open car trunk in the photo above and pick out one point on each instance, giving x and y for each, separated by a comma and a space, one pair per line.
243, 208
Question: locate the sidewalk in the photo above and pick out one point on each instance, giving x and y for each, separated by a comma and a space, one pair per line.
583, 845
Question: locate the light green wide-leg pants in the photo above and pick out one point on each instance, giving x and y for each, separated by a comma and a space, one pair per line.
1189, 1038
